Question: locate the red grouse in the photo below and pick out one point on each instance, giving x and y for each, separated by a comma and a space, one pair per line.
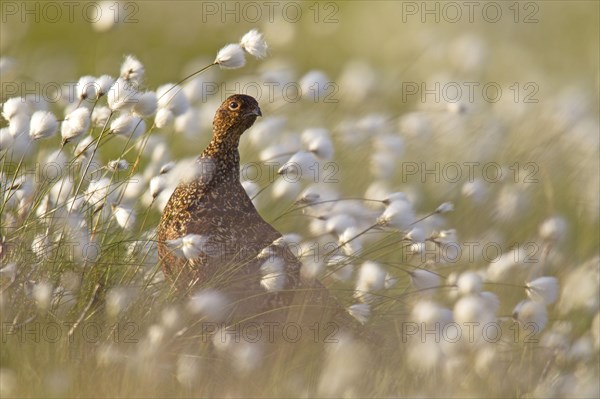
242, 255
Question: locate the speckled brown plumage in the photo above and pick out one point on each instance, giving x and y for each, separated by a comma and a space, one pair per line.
216, 205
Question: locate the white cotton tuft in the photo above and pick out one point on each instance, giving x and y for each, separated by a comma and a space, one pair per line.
117, 164
318, 142
125, 217
192, 245
103, 85
273, 274
398, 214
75, 124
445, 207
416, 234
171, 97
349, 241
100, 116
42, 293
123, 125
18, 125
109, 14
423, 279
146, 105
315, 85
86, 88
302, 165
15, 106
341, 268
254, 44
553, 229
543, 289
164, 118
122, 95
209, 303
43, 124
475, 189
264, 133
531, 313
99, 191
360, 311
371, 277
469, 283
83, 146
6, 139
231, 57
132, 70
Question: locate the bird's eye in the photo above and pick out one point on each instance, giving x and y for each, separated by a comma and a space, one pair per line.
233, 105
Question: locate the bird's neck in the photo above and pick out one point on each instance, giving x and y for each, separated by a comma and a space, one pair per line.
223, 150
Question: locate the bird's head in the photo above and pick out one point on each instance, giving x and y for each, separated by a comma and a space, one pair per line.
235, 115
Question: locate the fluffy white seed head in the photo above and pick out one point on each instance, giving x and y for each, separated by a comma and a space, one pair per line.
6, 139
99, 191
475, 190
75, 124
118, 300
315, 85
193, 245
100, 115
117, 164
273, 274
132, 70
543, 289
337, 224
110, 13
15, 106
264, 133
83, 146
371, 277
469, 283
341, 268
349, 241
424, 279
122, 95
42, 293
318, 142
146, 105
531, 312
311, 267
231, 57
429, 312
471, 308
86, 88
125, 217
164, 118
123, 125
172, 97
298, 166
360, 311
103, 85
553, 229
398, 214
18, 125
445, 207
416, 234
254, 44
507, 265
210, 303
43, 124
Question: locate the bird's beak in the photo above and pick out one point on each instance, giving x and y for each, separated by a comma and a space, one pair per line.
255, 112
